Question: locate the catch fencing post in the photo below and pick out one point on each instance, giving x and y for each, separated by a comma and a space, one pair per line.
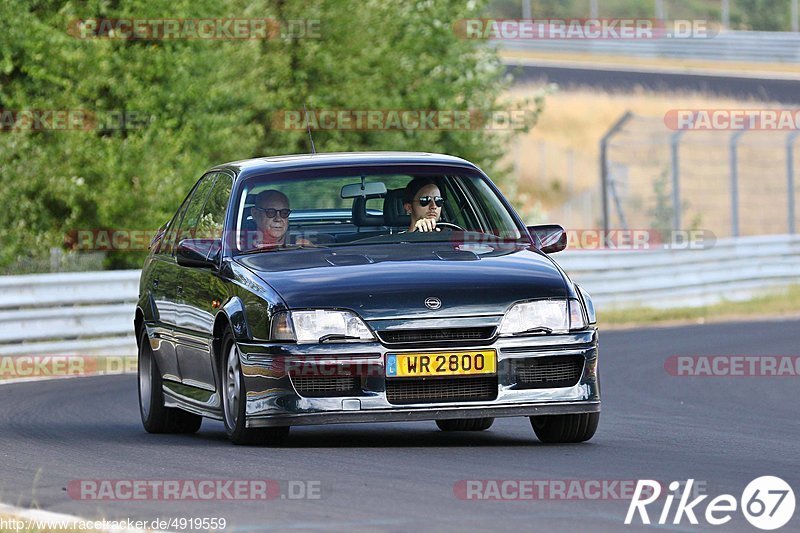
790, 177
726, 14
674, 141
734, 161
604, 167
594, 9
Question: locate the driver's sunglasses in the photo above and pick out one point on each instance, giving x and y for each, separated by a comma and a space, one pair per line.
425, 200
270, 212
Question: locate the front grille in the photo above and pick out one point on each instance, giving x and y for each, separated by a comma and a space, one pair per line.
550, 372
419, 390
327, 386
398, 336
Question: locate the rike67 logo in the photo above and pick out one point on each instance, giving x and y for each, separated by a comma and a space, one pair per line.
767, 503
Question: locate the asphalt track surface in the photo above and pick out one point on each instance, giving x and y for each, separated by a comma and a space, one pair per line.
784, 91
723, 431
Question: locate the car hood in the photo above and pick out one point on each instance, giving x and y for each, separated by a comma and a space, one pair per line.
393, 281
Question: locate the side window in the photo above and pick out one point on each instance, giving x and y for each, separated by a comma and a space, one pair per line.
212, 220
193, 210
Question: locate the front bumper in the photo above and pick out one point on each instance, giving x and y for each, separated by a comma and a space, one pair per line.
273, 400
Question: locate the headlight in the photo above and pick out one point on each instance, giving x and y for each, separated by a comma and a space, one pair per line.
543, 316
319, 325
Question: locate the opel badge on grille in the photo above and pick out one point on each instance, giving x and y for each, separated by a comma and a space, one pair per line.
433, 303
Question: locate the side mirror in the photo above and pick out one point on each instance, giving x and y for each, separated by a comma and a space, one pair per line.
552, 236
199, 252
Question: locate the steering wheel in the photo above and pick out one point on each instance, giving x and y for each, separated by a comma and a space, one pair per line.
456, 226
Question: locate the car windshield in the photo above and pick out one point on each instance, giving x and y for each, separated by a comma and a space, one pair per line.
350, 207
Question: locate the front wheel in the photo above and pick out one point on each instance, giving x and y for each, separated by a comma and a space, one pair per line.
465, 424
157, 418
234, 400
565, 428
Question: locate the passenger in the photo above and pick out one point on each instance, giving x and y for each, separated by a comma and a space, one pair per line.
271, 215
423, 201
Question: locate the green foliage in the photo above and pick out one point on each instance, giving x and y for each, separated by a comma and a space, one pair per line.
663, 212
766, 15
202, 102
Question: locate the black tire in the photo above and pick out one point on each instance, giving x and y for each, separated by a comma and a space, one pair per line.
156, 418
465, 424
233, 406
565, 428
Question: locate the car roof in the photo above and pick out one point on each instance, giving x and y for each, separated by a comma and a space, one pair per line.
262, 165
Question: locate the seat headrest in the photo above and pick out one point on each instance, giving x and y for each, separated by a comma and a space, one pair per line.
360, 215
394, 214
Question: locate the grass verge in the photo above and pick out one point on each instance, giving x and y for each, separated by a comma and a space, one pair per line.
786, 303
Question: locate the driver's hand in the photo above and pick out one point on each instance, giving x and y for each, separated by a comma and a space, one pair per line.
426, 224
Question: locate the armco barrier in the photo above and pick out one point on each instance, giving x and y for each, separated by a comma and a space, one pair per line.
755, 46
92, 312
83, 313
733, 269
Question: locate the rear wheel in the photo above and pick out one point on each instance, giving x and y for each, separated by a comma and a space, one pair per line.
156, 418
234, 400
565, 428
465, 424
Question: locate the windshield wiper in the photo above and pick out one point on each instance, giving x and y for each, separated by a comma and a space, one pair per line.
276, 248
538, 329
337, 337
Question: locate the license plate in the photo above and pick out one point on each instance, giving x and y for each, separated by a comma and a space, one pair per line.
402, 365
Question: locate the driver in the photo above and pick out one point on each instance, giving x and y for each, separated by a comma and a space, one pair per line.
271, 215
423, 201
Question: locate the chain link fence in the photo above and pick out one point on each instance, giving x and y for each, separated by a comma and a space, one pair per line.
733, 183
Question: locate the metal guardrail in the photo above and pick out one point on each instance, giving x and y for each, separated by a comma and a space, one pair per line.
756, 46
83, 313
91, 313
732, 270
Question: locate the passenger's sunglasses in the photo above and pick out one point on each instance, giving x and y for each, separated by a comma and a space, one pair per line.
270, 212
425, 200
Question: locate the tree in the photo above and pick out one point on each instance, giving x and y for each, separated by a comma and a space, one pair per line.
172, 108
